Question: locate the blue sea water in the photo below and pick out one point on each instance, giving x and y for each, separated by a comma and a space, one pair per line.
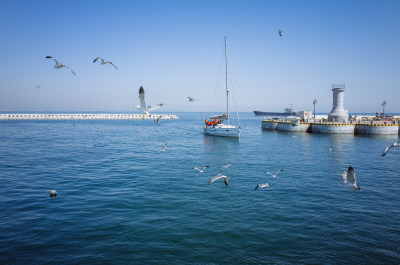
120, 201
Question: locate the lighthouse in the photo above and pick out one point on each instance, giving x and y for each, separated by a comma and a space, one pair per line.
338, 114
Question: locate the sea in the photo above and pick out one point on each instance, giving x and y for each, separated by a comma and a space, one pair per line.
122, 201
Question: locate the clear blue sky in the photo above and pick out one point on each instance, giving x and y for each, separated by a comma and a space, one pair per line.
174, 49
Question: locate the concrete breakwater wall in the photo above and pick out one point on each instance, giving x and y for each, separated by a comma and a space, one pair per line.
333, 128
83, 116
377, 129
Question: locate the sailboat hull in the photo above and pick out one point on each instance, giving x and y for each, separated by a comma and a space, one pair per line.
222, 130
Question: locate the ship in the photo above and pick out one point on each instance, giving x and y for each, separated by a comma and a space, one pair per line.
286, 112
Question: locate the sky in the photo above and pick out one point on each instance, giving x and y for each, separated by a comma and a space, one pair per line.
175, 49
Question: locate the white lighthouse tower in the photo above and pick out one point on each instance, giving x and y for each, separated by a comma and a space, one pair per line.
338, 114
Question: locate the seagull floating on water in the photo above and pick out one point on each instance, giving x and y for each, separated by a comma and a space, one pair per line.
104, 62
59, 65
53, 193
200, 170
263, 185
219, 176
349, 178
280, 32
275, 174
143, 108
163, 148
390, 147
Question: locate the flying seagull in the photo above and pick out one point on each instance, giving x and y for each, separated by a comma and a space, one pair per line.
390, 147
280, 32
349, 178
275, 174
226, 166
200, 170
38, 86
143, 108
263, 185
191, 99
104, 62
219, 176
53, 193
163, 148
59, 65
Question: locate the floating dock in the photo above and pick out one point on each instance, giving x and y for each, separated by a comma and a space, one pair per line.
86, 116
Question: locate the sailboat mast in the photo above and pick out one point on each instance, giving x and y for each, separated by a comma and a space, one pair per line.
226, 83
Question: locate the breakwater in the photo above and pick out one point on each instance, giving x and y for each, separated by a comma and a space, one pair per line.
85, 116
332, 128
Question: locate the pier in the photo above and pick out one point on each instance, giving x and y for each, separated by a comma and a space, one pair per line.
85, 116
356, 126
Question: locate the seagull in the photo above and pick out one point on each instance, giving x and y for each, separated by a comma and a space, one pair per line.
263, 185
226, 166
163, 148
191, 99
59, 65
349, 178
200, 170
143, 108
275, 174
219, 176
158, 119
53, 193
38, 86
391, 146
280, 32
104, 62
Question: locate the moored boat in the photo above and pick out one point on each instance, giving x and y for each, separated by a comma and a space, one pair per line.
219, 125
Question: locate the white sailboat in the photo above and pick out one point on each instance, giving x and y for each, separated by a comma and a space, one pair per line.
219, 125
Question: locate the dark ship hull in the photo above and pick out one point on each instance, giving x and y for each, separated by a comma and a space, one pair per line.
262, 113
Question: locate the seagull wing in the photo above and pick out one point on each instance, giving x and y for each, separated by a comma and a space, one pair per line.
49, 57
258, 185
154, 107
95, 60
113, 65
70, 69
226, 181
351, 176
216, 177
344, 176
204, 167
278, 171
142, 100
387, 149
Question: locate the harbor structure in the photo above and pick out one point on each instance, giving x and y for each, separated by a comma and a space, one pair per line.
336, 122
84, 116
